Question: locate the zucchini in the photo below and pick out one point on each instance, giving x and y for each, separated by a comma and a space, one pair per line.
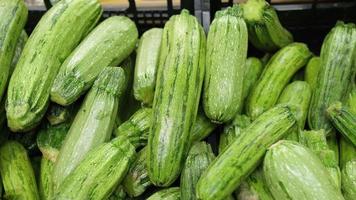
275, 77
94, 123
240, 159
297, 94
335, 75
265, 31
13, 16
347, 151
312, 71
58, 32
225, 65
199, 157
16, 172
57, 114
166, 194
266, 57
178, 87
343, 120
349, 180
99, 173
119, 194
253, 70
201, 128
45, 183
108, 44
146, 65
18, 50
284, 160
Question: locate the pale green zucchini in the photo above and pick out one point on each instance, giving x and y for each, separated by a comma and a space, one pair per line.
166, 194
18, 50
349, 180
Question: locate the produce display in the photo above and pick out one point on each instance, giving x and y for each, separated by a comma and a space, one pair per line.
94, 108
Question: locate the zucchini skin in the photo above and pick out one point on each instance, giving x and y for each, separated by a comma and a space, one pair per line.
278, 72
347, 151
244, 154
45, 182
108, 44
175, 106
287, 158
18, 50
265, 31
349, 180
146, 65
253, 70
50, 43
225, 63
94, 122
335, 74
199, 157
312, 71
57, 114
166, 194
16, 172
13, 16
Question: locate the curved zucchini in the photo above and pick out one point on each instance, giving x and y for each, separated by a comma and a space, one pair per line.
284, 160
265, 31
312, 71
94, 123
13, 16
166, 194
239, 160
16, 172
349, 180
253, 70
55, 36
177, 94
108, 44
336, 73
146, 65
225, 63
18, 50
275, 77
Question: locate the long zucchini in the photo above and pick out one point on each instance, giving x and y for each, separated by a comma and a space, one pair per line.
55, 36
253, 70
312, 71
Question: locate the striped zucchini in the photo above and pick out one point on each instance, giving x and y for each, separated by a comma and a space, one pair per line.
312, 71
349, 180
94, 122
18, 50
253, 70
239, 160
166, 194
284, 160
55, 36
146, 65
199, 157
16, 172
137, 181
343, 120
347, 151
45, 182
297, 94
265, 31
179, 81
98, 174
335, 75
13, 16
107, 45
225, 63
275, 77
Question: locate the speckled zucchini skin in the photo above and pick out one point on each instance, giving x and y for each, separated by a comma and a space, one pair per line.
16, 172
239, 160
146, 65
53, 39
166, 194
225, 65
278, 72
108, 44
284, 160
312, 71
335, 75
178, 87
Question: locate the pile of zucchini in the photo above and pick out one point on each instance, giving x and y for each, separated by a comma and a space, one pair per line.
90, 111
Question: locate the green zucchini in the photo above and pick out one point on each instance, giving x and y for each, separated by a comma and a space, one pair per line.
13, 16
266, 57
225, 65
16, 172
298, 95
265, 31
57, 114
240, 159
335, 75
312, 71
292, 171
275, 77
253, 70
166, 194
45, 183
94, 123
199, 157
119, 194
351, 101
177, 94
343, 120
201, 128
18, 50
107, 45
347, 151
146, 65
349, 180
58, 32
